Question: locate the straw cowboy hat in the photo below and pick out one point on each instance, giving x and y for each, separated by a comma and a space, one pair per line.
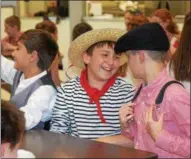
84, 41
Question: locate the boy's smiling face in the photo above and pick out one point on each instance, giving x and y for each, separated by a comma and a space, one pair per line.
21, 57
102, 64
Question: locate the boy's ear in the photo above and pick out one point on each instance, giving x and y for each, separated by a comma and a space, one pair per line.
86, 57
34, 56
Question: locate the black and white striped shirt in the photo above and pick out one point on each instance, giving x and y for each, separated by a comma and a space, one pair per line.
73, 114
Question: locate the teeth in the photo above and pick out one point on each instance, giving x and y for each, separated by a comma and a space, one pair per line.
107, 69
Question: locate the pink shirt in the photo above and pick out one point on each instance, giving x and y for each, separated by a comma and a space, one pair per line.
174, 140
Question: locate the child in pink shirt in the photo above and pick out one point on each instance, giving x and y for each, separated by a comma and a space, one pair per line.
163, 125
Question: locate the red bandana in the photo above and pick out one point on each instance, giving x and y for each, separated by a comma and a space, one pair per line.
94, 93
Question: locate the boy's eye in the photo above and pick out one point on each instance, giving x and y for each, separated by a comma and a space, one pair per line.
105, 55
117, 56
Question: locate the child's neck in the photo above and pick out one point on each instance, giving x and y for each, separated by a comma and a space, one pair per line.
95, 83
31, 72
151, 74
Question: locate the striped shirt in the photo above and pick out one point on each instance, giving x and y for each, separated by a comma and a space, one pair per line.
74, 115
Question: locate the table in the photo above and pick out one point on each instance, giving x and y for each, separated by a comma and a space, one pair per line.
46, 144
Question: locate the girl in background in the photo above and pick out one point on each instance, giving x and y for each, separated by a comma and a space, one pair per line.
180, 62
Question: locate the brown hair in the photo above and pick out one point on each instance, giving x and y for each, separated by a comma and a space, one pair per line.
80, 29
133, 11
137, 20
12, 124
99, 45
13, 21
47, 26
165, 15
180, 62
43, 43
122, 70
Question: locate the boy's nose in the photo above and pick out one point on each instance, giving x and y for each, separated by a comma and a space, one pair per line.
13, 53
110, 60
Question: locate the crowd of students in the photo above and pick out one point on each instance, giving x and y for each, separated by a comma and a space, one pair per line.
151, 113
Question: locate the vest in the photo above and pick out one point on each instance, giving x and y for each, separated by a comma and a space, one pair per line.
20, 99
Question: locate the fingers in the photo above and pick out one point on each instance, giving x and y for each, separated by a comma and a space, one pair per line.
130, 104
161, 117
145, 117
148, 116
150, 113
126, 110
129, 118
126, 113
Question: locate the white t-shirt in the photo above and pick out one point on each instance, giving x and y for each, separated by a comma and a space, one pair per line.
24, 154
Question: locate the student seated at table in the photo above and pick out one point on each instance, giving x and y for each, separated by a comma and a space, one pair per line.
12, 129
32, 87
88, 106
161, 108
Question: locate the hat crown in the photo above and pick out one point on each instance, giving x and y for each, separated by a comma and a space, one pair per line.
150, 36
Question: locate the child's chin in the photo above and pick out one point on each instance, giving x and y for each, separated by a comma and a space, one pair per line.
17, 67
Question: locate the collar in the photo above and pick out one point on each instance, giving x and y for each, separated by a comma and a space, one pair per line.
28, 81
158, 81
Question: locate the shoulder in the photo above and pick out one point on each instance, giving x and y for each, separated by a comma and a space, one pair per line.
122, 84
69, 85
5, 39
44, 92
176, 92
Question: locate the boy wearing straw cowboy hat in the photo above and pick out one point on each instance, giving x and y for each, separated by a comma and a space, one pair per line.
88, 106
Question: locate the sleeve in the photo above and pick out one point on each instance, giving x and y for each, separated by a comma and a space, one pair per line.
127, 134
38, 107
178, 144
7, 70
60, 122
130, 91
